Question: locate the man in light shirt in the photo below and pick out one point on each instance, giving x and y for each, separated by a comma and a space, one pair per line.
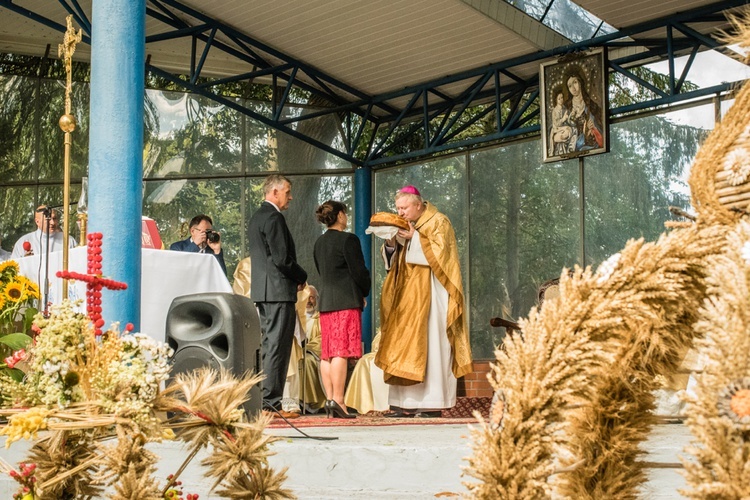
35, 243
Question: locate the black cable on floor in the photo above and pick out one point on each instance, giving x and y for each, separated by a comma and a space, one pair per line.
304, 434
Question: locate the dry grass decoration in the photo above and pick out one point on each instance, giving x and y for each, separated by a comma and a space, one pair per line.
573, 391
98, 401
719, 413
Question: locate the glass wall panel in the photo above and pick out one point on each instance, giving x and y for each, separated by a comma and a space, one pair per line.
270, 150
629, 190
18, 116
190, 135
442, 182
309, 191
17, 205
260, 142
52, 140
173, 203
525, 227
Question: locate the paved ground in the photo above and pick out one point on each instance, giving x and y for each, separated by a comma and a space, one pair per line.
395, 462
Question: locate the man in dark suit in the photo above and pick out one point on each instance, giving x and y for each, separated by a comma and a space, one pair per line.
202, 239
275, 279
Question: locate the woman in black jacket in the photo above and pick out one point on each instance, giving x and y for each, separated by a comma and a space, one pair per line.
345, 282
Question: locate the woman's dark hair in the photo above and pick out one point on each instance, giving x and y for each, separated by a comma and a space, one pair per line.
575, 71
328, 212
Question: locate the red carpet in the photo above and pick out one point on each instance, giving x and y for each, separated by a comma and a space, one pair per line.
462, 413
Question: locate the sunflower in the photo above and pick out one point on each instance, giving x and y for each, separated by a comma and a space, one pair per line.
30, 289
2, 302
14, 292
9, 267
734, 403
34, 290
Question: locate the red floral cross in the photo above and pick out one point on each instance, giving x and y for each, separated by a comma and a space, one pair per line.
94, 281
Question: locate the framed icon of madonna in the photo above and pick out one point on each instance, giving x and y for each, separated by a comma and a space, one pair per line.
573, 93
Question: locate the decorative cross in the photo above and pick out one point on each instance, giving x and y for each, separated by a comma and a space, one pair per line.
65, 51
94, 281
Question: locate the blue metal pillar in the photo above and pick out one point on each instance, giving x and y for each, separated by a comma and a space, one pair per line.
362, 212
118, 47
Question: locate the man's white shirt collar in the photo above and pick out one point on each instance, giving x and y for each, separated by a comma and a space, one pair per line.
274, 205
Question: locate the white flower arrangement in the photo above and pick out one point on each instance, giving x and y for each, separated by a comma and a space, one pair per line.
53, 359
127, 384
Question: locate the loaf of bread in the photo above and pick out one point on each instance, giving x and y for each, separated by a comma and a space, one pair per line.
389, 219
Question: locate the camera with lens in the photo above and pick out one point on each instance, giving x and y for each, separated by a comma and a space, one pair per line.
212, 236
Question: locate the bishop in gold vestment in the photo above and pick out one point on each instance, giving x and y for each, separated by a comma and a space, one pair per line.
425, 344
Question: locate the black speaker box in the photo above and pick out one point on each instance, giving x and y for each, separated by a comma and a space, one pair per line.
220, 330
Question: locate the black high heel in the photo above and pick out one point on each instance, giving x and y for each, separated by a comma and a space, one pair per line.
327, 408
339, 412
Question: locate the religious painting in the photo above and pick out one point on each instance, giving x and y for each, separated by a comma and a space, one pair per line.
573, 92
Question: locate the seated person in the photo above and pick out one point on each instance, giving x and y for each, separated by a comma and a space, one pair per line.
35, 243
242, 279
367, 391
202, 239
305, 373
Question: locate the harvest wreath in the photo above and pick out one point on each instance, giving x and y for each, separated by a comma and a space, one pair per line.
573, 390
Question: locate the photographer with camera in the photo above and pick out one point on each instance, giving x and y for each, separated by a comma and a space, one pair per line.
203, 239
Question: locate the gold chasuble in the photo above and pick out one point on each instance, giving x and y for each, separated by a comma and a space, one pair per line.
405, 304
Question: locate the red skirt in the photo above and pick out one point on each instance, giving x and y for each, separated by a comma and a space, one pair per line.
341, 334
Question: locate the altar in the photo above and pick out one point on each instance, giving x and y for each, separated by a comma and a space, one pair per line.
164, 275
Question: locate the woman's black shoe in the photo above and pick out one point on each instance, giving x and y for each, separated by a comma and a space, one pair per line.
339, 412
327, 407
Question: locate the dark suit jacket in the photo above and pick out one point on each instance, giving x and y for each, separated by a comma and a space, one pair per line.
188, 246
344, 278
275, 273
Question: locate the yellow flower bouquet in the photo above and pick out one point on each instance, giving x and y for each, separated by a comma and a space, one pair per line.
18, 295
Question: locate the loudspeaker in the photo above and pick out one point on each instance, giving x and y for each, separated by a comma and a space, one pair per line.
220, 330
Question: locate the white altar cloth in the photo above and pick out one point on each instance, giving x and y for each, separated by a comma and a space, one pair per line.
164, 276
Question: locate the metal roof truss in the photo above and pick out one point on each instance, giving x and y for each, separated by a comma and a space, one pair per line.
420, 120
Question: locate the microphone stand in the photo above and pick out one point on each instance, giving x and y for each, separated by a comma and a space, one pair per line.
303, 375
47, 223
